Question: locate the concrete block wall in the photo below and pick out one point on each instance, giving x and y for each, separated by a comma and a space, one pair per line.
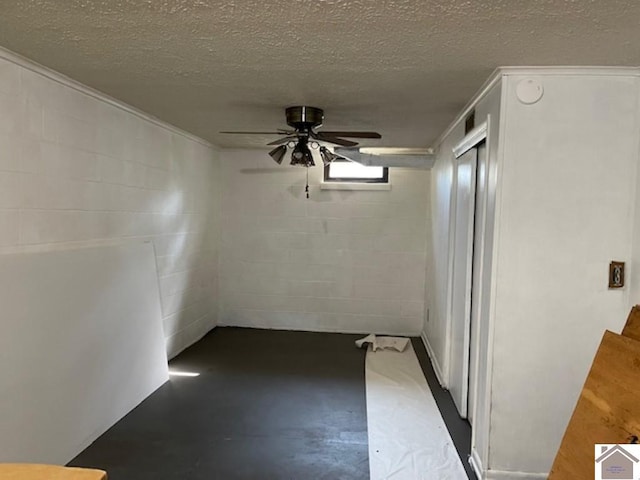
344, 261
79, 169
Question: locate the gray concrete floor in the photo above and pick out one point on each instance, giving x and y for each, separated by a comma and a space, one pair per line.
267, 405
459, 428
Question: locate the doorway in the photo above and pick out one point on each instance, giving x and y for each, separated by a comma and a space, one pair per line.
468, 197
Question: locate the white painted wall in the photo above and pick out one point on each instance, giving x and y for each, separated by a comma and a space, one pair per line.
344, 261
633, 267
81, 345
568, 196
489, 109
437, 260
437, 309
79, 169
438, 244
564, 177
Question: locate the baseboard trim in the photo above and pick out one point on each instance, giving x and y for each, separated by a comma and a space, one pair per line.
174, 354
476, 463
434, 361
319, 330
482, 474
502, 475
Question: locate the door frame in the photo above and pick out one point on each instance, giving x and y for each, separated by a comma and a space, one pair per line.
463, 235
471, 140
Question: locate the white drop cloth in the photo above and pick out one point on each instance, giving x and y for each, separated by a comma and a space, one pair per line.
408, 439
383, 343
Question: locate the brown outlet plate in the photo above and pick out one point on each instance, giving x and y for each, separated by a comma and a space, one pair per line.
616, 275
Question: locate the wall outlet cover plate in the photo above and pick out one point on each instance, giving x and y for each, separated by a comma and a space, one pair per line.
616, 274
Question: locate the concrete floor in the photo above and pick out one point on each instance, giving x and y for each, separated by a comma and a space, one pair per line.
267, 405
459, 428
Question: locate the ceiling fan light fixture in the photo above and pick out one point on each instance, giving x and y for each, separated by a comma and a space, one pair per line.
278, 153
328, 156
304, 137
301, 155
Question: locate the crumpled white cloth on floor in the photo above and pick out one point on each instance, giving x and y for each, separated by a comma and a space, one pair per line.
384, 343
408, 439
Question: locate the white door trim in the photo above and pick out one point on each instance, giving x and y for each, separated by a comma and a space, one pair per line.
482, 416
463, 217
471, 139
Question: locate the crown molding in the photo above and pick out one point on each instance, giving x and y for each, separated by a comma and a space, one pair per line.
501, 72
62, 79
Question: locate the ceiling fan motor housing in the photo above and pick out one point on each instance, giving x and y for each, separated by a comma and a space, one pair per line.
304, 118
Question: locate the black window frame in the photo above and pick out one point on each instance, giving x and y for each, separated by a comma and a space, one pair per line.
328, 179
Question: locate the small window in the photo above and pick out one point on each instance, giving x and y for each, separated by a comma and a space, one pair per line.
346, 171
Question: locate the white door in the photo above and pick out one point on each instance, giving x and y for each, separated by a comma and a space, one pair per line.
462, 277
478, 245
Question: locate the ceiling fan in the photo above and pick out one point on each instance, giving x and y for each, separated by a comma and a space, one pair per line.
304, 137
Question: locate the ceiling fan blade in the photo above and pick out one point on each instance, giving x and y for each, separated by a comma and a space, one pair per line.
281, 132
352, 134
280, 141
338, 141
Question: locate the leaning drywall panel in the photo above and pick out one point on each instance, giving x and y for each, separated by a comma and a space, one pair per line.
81, 344
567, 191
78, 168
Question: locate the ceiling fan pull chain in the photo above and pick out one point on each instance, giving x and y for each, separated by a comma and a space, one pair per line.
306, 188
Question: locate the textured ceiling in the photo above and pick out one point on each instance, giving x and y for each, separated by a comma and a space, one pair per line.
401, 67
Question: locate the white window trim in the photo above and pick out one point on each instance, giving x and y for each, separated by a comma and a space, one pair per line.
354, 186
